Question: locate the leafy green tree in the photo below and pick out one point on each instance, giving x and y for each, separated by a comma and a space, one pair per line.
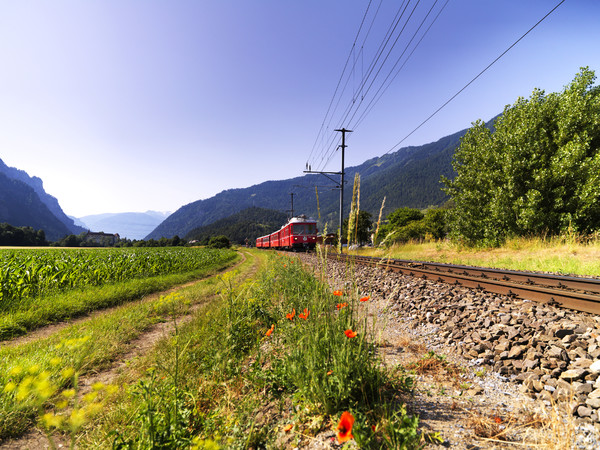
363, 225
402, 216
537, 173
435, 222
219, 242
70, 241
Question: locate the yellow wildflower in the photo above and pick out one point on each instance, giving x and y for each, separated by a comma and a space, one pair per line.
68, 393
77, 418
51, 420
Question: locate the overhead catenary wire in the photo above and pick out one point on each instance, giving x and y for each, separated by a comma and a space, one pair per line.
384, 87
375, 71
371, 89
473, 79
385, 59
341, 77
375, 68
339, 94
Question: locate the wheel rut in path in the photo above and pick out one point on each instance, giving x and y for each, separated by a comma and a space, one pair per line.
35, 439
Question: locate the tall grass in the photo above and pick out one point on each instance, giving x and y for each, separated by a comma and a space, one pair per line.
86, 347
281, 349
283, 356
567, 254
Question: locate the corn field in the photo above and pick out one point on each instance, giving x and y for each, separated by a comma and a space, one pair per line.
29, 273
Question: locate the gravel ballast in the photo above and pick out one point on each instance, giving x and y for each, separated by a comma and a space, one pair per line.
526, 353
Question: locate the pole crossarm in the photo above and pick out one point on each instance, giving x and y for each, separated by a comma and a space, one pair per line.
325, 174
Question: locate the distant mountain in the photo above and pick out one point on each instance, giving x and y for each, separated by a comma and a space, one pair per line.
408, 177
249, 223
38, 186
21, 206
131, 225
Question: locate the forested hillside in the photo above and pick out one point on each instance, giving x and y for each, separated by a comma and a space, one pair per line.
38, 187
248, 224
20, 206
409, 177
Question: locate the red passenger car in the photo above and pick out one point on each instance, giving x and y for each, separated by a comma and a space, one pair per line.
300, 233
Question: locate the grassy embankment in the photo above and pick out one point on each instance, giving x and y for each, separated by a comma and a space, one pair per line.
267, 363
566, 255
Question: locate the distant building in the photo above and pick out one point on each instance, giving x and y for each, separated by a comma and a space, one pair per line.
101, 238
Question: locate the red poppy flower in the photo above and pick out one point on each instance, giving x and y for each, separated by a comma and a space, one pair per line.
341, 305
497, 419
291, 315
270, 330
305, 315
364, 299
350, 334
338, 293
344, 428
330, 372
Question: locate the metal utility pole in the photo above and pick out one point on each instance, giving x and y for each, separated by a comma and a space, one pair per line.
343, 147
292, 210
341, 186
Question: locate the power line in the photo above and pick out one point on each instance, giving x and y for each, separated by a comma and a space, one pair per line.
328, 151
385, 58
341, 77
383, 88
475, 78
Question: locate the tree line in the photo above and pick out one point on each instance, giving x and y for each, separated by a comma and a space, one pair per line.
21, 236
536, 173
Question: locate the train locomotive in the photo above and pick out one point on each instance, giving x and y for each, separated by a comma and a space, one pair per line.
299, 233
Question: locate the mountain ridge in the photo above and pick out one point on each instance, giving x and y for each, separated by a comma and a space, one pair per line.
130, 225
50, 201
408, 177
20, 206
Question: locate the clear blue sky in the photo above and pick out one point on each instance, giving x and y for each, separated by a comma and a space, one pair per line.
131, 105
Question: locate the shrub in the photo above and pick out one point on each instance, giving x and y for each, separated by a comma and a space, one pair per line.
219, 242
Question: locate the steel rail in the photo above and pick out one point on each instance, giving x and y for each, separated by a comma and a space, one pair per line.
581, 294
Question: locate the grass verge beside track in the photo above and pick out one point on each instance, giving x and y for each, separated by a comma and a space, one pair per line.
568, 255
272, 363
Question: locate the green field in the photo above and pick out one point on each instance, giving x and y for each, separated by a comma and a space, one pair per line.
40, 286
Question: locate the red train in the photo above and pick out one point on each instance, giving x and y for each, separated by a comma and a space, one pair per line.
300, 233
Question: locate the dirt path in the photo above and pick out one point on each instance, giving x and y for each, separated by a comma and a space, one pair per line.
36, 439
48, 330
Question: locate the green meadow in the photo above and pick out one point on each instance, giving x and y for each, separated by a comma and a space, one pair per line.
261, 356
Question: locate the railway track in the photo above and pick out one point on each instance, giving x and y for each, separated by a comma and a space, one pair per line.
581, 294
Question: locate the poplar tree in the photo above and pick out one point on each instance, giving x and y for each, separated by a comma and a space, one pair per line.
536, 173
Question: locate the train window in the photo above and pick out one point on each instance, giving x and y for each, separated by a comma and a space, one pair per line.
305, 228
